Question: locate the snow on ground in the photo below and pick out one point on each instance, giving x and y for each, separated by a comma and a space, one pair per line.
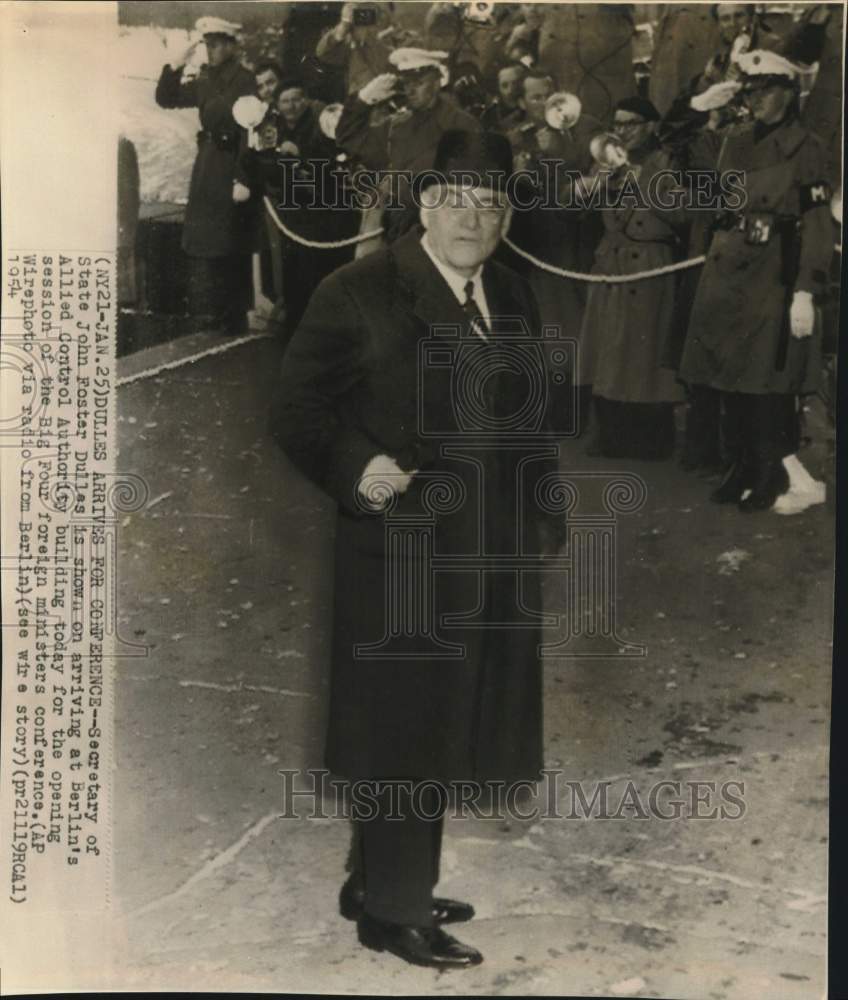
164, 139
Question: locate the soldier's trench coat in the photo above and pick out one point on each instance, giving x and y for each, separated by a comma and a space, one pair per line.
733, 342
214, 226
349, 390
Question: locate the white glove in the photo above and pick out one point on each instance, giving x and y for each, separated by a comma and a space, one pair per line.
802, 315
382, 478
716, 96
240, 192
288, 148
379, 89
188, 53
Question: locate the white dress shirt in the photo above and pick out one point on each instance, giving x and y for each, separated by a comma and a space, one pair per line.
457, 282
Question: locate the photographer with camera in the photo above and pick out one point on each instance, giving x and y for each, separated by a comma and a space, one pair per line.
368, 414
554, 146
475, 33
365, 35
626, 325
297, 169
357, 42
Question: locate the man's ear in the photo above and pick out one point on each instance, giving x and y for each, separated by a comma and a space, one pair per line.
424, 216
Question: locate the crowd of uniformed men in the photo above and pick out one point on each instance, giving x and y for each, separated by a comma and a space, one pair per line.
752, 89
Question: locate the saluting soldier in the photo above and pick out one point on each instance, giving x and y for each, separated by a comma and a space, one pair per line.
753, 333
406, 139
217, 231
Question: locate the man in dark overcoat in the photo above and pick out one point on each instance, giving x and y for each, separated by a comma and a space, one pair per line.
400, 388
218, 232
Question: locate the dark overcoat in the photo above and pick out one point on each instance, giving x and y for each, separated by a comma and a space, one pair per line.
352, 387
734, 338
215, 225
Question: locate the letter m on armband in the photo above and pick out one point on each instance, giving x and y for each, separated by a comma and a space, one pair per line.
815, 194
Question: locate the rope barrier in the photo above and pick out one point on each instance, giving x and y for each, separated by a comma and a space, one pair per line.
560, 271
610, 279
192, 358
315, 244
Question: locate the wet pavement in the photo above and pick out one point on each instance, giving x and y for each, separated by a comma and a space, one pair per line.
225, 578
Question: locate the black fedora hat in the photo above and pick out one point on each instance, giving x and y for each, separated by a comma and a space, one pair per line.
470, 159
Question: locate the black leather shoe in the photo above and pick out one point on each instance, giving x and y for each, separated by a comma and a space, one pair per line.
428, 946
445, 911
769, 485
733, 484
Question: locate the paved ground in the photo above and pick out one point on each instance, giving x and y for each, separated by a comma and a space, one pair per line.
225, 577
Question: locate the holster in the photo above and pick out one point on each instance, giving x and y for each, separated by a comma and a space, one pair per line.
223, 140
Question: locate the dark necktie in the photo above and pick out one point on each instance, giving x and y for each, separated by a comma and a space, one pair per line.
473, 311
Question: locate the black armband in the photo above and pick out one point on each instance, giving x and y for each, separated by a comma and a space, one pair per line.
815, 194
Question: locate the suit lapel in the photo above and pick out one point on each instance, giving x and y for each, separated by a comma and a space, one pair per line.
428, 294
500, 302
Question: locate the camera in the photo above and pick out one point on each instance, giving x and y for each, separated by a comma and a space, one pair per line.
513, 386
480, 11
364, 17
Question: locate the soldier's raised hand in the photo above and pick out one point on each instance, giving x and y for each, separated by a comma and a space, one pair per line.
189, 52
802, 315
379, 89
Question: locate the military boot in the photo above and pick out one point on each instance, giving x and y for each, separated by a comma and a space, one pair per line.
770, 482
735, 480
